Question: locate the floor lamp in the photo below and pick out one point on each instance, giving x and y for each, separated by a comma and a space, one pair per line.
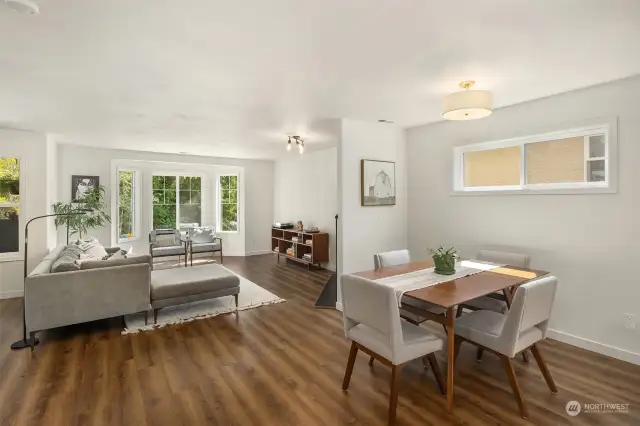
26, 342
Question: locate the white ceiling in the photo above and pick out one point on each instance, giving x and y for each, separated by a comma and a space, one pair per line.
230, 78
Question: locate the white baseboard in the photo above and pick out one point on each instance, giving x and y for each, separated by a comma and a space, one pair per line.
11, 294
257, 253
590, 345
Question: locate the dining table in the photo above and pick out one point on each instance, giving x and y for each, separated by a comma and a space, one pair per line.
450, 293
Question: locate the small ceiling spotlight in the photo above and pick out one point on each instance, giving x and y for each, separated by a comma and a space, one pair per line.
27, 7
299, 143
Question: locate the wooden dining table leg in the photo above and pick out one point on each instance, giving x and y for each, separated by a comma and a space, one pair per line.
451, 335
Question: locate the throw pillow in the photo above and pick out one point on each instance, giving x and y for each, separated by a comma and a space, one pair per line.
92, 248
67, 260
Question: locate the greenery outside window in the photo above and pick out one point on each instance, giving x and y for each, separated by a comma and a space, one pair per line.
9, 205
127, 183
228, 203
177, 202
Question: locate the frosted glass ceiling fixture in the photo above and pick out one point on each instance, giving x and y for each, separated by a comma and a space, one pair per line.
468, 104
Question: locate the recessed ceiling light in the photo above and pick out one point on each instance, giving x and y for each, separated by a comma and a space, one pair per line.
385, 121
23, 6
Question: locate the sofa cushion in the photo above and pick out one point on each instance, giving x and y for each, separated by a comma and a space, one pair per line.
202, 235
67, 260
118, 261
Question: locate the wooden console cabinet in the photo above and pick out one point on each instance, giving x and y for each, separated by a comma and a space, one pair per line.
282, 239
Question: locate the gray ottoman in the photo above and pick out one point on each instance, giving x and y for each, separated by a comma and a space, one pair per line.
170, 287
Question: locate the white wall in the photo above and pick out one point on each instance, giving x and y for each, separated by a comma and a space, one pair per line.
31, 148
257, 177
365, 231
305, 189
591, 242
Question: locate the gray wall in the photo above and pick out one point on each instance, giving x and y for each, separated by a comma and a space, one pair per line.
591, 242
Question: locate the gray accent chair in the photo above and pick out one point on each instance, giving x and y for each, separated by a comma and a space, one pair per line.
167, 242
508, 334
100, 289
372, 322
204, 240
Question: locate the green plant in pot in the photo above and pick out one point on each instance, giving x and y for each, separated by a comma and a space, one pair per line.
444, 260
80, 224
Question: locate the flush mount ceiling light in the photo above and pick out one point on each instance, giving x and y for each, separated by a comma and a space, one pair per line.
27, 7
468, 104
299, 143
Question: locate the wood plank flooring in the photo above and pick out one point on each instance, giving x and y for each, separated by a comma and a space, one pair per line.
278, 365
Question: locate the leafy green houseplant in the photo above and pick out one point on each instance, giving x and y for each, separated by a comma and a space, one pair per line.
80, 224
444, 260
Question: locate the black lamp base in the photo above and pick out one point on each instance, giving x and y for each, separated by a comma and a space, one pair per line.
24, 343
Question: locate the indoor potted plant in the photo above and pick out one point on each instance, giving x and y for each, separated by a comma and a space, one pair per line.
93, 200
444, 260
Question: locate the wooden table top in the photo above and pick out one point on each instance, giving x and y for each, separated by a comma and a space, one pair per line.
450, 293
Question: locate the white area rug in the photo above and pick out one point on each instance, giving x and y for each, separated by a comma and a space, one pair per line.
251, 296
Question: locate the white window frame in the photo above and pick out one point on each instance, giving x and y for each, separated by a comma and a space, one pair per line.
135, 207
219, 229
17, 255
177, 176
606, 186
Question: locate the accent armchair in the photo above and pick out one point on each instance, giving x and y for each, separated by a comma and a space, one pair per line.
167, 242
204, 240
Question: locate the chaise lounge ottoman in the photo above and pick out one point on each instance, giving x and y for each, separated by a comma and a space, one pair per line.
171, 287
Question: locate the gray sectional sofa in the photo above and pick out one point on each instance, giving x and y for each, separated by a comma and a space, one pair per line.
100, 289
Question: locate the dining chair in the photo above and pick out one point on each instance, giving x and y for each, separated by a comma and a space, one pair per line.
412, 310
508, 334
372, 322
495, 302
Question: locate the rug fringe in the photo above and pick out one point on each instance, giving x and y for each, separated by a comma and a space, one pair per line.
151, 327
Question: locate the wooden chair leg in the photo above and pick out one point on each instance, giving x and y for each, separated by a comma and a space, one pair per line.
393, 394
508, 368
479, 354
525, 357
456, 348
437, 373
543, 367
352, 359
445, 329
371, 360
459, 311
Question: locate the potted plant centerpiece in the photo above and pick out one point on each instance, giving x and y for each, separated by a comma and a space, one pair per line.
444, 260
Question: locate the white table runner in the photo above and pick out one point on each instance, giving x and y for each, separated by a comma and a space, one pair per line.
427, 277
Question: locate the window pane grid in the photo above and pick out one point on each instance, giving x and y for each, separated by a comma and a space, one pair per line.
228, 203
572, 161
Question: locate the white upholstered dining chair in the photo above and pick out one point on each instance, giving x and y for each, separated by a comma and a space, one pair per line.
372, 322
489, 303
401, 257
509, 334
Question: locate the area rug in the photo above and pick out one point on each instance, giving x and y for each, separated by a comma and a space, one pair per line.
251, 296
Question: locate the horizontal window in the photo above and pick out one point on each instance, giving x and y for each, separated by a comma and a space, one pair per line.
9, 205
575, 159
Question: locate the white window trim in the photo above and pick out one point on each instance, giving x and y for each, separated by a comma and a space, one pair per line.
609, 185
219, 204
177, 176
18, 255
136, 204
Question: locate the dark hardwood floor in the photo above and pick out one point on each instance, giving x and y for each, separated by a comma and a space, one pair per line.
277, 365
